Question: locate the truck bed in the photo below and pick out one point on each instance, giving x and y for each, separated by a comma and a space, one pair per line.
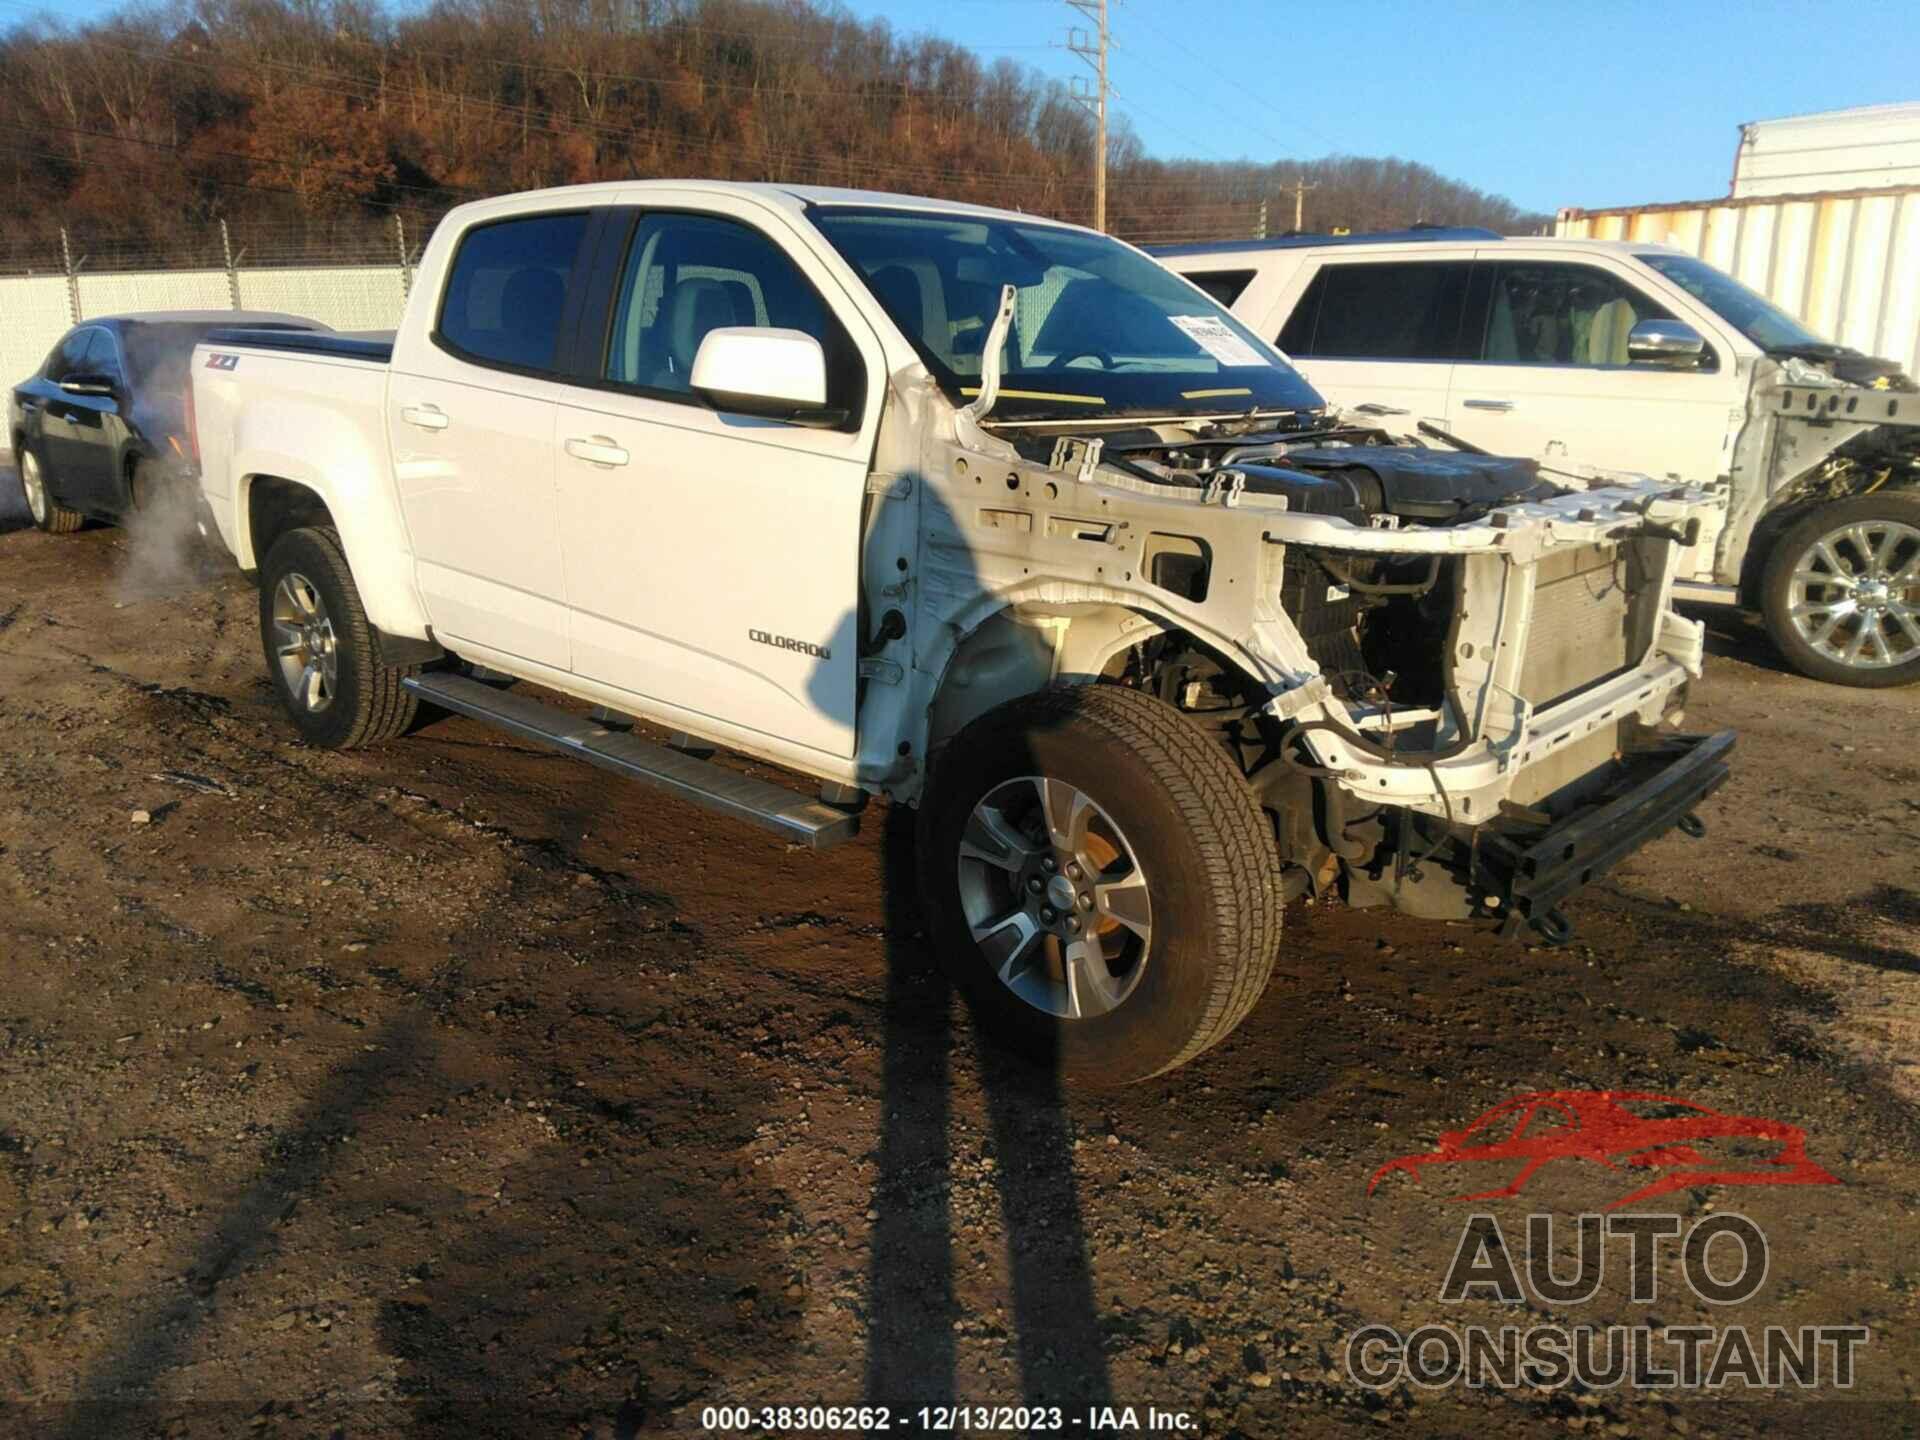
375, 349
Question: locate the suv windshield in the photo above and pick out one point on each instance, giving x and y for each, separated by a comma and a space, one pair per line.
1759, 319
1097, 328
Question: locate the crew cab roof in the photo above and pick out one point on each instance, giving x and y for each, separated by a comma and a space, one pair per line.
796, 198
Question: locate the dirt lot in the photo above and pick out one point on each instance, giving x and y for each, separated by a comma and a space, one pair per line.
453, 1088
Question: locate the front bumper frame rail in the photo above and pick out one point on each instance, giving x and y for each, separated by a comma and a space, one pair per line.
1532, 876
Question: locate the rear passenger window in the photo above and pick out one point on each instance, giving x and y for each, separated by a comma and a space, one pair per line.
103, 357
506, 289
1226, 286
1393, 311
69, 357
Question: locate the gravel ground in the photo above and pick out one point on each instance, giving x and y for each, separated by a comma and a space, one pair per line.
451, 1088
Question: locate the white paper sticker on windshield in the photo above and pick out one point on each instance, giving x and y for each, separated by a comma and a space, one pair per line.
1213, 335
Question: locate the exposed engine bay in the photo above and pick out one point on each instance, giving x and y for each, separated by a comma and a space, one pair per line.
1477, 625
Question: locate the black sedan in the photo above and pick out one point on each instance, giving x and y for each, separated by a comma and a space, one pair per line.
105, 423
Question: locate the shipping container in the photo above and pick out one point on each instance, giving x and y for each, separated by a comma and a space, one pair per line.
1875, 147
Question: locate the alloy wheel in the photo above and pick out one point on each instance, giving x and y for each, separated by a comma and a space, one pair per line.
303, 642
1055, 897
1855, 595
34, 486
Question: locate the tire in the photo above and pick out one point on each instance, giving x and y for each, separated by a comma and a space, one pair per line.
47, 512
308, 598
1870, 546
1171, 820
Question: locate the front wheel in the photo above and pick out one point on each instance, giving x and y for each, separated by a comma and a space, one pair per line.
320, 649
48, 513
1100, 881
1841, 592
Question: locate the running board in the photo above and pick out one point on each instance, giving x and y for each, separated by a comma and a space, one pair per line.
800, 818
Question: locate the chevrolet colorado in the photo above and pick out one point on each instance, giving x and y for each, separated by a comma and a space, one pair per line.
987, 514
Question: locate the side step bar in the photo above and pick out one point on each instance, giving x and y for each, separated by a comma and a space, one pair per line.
800, 818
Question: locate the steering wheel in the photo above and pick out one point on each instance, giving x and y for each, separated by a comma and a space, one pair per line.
1061, 362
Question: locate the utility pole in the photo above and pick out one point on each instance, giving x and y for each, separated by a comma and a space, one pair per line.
1095, 54
1300, 188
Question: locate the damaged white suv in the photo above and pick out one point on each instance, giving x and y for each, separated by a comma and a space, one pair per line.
986, 514
1633, 355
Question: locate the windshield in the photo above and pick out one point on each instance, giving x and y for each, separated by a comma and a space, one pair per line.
1754, 316
1097, 329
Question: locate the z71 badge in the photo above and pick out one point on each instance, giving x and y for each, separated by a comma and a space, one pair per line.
218, 361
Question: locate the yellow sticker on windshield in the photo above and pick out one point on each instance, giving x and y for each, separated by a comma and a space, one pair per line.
1038, 395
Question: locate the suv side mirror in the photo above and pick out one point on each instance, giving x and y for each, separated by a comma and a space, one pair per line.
759, 370
87, 384
1665, 342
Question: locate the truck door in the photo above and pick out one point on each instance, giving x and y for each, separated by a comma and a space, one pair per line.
1380, 332
1548, 374
713, 559
470, 415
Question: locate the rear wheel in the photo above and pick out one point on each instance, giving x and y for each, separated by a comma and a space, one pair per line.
320, 649
48, 513
1100, 881
1841, 593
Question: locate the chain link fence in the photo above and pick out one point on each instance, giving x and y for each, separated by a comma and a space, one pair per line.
352, 276
355, 280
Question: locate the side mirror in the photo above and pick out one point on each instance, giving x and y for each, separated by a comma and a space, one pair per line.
1665, 342
87, 384
758, 370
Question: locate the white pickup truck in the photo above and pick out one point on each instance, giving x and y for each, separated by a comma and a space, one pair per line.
1638, 356
986, 514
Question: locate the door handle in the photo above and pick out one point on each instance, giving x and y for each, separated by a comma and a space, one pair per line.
427, 417
597, 450
1499, 405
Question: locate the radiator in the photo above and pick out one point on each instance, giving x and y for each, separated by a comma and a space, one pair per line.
1581, 620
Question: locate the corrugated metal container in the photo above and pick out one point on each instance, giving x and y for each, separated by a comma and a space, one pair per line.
1870, 148
1846, 264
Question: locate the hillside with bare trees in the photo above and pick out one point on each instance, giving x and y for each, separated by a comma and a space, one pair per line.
307, 125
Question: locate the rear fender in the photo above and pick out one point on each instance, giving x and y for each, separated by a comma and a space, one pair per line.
355, 486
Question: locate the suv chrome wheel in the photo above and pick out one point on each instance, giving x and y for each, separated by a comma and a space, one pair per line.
1055, 898
304, 643
35, 487
1855, 594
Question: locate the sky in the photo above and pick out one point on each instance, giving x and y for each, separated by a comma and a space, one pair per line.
1550, 103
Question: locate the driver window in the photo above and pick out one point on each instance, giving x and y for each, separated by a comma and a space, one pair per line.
689, 275
1548, 314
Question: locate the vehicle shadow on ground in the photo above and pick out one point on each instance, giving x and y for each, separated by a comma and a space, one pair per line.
116, 1396
913, 1307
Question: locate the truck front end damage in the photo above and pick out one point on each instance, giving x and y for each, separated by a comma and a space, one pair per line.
1452, 682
